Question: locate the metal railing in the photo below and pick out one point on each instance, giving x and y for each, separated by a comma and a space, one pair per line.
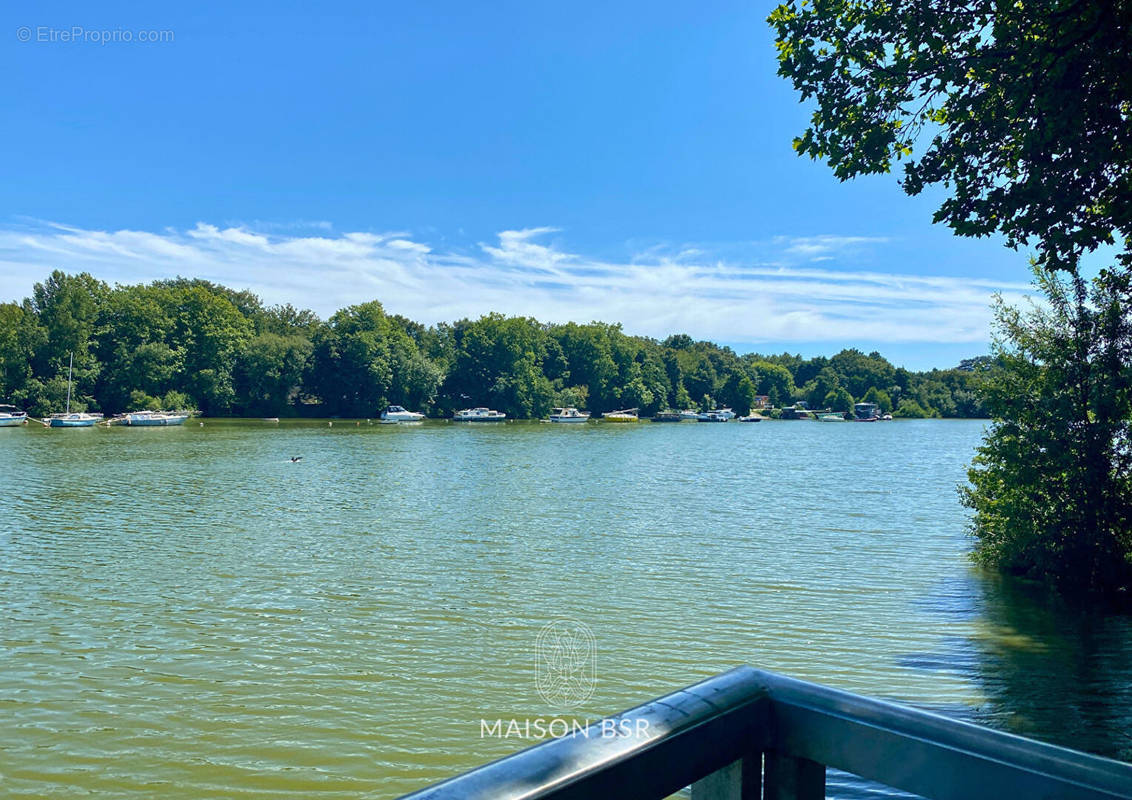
748, 734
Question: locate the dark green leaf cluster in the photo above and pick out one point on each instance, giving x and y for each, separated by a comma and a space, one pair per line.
1023, 110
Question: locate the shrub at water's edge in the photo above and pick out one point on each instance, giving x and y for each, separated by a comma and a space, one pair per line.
1051, 487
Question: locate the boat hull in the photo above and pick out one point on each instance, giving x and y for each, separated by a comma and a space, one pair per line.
156, 423
12, 422
479, 419
568, 420
72, 423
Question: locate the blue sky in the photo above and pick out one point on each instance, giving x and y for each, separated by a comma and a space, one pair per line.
627, 162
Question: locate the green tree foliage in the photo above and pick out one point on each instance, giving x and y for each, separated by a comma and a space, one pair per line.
69, 308
190, 343
1051, 486
839, 400
882, 399
21, 336
269, 373
910, 409
1026, 109
498, 362
364, 360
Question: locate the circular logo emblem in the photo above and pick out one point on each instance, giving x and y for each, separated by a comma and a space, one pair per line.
565, 663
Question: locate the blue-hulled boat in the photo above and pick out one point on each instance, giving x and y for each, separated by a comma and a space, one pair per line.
76, 420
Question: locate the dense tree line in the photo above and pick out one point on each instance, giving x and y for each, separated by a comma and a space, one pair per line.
190, 343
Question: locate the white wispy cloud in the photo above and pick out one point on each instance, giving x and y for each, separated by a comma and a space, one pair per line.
819, 248
789, 292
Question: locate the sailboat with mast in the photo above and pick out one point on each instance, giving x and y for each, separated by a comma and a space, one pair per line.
79, 419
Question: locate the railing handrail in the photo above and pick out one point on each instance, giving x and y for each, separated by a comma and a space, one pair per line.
746, 727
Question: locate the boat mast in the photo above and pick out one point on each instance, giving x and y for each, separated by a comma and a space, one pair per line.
70, 365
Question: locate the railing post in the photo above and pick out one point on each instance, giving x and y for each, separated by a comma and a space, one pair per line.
789, 778
739, 780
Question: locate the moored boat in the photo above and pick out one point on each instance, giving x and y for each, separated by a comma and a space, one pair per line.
568, 415
831, 416
75, 420
715, 416
689, 413
154, 419
866, 412
752, 418
10, 416
624, 415
668, 416
400, 414
480, 414
78, 419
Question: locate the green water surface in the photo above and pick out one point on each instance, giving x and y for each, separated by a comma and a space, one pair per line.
185, 613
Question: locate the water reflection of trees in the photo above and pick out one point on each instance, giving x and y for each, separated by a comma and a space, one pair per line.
1053, 672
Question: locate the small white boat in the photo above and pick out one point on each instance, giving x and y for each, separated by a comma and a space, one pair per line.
624, 415
10, 416
568, 415
726, 413
751, 418
155, 419
831, 416
400, 414
479, 415
75, 420
689, 413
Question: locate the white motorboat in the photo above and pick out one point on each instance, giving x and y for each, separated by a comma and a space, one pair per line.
479, 415
10, 416
689, 413
400, 414
568, 415
714, 416
752, 418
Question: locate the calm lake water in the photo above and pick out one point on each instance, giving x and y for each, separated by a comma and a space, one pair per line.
185, 613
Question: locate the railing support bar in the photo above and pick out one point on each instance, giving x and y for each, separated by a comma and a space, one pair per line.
790, 778
739, 780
